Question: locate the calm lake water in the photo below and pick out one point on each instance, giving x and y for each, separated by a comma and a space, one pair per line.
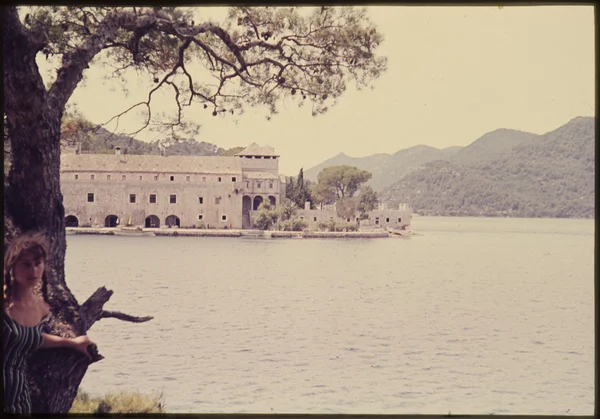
471, 316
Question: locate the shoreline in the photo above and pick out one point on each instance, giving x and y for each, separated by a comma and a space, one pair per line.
176, 232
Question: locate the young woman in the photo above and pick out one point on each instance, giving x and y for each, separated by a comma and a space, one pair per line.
24, 312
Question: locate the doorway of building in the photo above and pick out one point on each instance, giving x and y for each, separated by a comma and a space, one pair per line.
111, 221
152, 221
173, 220
71, 221
257, 201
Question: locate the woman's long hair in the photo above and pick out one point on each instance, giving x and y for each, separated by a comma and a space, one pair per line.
34, 243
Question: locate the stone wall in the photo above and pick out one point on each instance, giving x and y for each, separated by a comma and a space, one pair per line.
112, 197
122, 187
388, 218
377, 218
251, 163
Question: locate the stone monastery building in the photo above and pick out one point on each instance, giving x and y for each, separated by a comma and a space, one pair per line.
104, 190
110, 190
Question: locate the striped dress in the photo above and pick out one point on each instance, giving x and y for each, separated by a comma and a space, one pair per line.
18, 342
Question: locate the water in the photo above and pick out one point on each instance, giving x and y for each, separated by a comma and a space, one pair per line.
473, 316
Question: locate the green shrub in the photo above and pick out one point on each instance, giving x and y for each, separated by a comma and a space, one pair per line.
298, 224
331, 225
286, 210
326, 225
323, 226
351, 227
266, 217
293, 224
124, 402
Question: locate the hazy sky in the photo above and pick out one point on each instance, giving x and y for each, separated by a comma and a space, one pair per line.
454, 73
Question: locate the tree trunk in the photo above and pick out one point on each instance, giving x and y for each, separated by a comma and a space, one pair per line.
33, 201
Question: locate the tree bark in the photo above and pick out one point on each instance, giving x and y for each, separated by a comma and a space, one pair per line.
33, 201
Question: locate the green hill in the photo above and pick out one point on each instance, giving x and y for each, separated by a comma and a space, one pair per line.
552, 175
102, 142
387, 168
492, 145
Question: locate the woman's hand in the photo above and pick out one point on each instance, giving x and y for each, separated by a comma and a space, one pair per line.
81, 344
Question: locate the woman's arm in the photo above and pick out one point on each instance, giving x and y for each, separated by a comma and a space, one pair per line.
79, 343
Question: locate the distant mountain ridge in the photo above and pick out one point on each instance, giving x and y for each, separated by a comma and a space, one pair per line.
387, 168
492, 144
503, 173
372, 163
550, 175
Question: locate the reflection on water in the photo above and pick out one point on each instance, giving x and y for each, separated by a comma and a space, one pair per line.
472, 316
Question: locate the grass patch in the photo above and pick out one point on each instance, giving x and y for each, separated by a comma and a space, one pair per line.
124, 402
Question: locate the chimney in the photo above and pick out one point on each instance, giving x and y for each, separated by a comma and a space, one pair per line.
117, 150
307, 205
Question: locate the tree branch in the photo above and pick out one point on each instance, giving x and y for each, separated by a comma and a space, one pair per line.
222, 60
308, 61
92, 310
73, 63
104, 314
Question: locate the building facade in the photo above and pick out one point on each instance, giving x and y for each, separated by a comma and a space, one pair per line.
382, 217
102, 190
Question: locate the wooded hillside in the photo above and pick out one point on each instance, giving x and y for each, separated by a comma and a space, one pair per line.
552, 175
